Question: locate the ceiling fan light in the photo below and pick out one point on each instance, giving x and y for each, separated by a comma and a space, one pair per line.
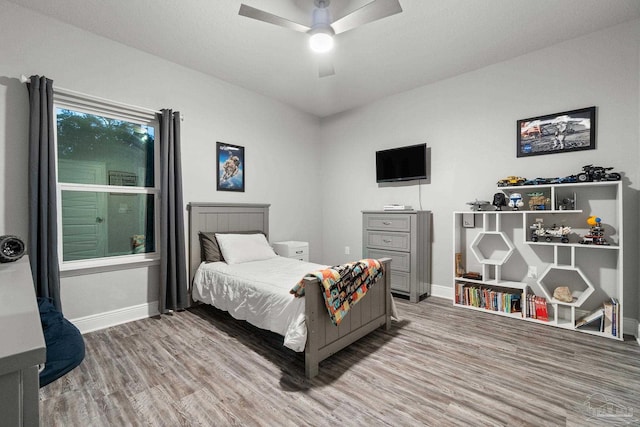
321, 33
321, 42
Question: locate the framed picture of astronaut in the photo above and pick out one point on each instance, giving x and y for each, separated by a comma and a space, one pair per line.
557, 133
230, 167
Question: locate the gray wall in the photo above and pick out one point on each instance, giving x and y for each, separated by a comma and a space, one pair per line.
469, 124
276, 137
467, 121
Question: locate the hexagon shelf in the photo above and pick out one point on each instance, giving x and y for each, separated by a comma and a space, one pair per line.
572, 277
492, 247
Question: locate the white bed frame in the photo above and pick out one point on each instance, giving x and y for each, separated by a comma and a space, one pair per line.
323, 338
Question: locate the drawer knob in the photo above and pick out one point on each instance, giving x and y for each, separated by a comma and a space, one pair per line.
386, 222
299, 252
386, 240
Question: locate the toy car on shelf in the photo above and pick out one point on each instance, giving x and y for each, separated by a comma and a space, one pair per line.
511, 180
597, 173
596, 234
539, 231
565, 180
537, 181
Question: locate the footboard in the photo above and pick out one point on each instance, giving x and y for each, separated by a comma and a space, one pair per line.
325, 339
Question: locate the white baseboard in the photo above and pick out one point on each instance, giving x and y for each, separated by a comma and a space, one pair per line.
442, 291
116, 317
632, 327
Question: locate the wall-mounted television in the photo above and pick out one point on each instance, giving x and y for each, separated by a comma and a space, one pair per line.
402, 163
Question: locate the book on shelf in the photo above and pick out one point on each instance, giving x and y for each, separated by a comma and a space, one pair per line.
541, 308
605, 319
458, 268
536, 307
615, 317
594, 318
608, 318
491, 298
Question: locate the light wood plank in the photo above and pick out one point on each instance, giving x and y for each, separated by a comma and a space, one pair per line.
440, 365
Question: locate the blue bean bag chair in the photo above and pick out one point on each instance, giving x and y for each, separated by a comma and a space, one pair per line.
64, 342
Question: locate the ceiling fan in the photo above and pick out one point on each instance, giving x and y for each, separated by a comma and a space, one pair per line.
323, 29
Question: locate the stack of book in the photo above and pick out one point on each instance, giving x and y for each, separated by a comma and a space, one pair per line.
488, 298
536, 307
605, 319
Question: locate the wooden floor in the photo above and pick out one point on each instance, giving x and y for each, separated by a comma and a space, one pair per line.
438, 366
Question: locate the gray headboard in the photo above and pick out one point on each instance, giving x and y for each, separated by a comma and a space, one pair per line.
222, 217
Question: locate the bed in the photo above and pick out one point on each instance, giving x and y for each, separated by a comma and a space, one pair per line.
323, 338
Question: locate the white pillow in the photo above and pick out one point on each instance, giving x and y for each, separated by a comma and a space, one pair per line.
239, 248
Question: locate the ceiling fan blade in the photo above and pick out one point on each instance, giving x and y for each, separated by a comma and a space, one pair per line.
325, 67
370, 12
261, 15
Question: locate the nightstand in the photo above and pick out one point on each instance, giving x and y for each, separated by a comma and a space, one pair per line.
292, 249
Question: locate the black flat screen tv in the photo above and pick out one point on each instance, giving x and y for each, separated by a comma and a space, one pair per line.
402, 164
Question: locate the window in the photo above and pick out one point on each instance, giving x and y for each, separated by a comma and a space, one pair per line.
108, 187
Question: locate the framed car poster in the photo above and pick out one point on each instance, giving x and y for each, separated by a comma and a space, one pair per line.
557, 133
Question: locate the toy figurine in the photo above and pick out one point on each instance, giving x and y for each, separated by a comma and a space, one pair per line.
499, 200
515, 201
596, 234
538, 201
567, 204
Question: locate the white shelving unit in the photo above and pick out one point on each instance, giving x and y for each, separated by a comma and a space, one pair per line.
498, 245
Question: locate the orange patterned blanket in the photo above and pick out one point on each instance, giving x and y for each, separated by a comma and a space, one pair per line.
343, 285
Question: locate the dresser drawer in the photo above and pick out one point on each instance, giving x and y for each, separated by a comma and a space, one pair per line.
399, 222
400, 261
400, 281
385, 240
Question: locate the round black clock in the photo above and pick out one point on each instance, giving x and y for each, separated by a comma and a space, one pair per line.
11, 248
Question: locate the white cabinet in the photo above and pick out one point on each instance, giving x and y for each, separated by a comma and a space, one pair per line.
504, 254
292, 249
405, 237
23, 346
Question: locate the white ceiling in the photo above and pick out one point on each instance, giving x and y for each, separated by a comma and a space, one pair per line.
429, 41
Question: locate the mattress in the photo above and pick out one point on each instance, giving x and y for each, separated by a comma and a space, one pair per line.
258, 292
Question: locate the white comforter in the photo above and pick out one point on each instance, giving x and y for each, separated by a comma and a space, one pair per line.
258, 292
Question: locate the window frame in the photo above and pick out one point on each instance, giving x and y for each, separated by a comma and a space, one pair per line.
113, 110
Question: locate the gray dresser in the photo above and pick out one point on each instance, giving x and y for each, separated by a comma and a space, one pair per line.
405, 237
23, 346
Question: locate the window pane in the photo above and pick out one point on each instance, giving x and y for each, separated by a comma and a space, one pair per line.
97, 225
98, 150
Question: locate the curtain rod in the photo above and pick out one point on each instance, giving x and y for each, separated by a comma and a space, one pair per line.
63, 91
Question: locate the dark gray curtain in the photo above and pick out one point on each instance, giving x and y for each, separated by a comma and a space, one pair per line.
43, 224
173, 293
